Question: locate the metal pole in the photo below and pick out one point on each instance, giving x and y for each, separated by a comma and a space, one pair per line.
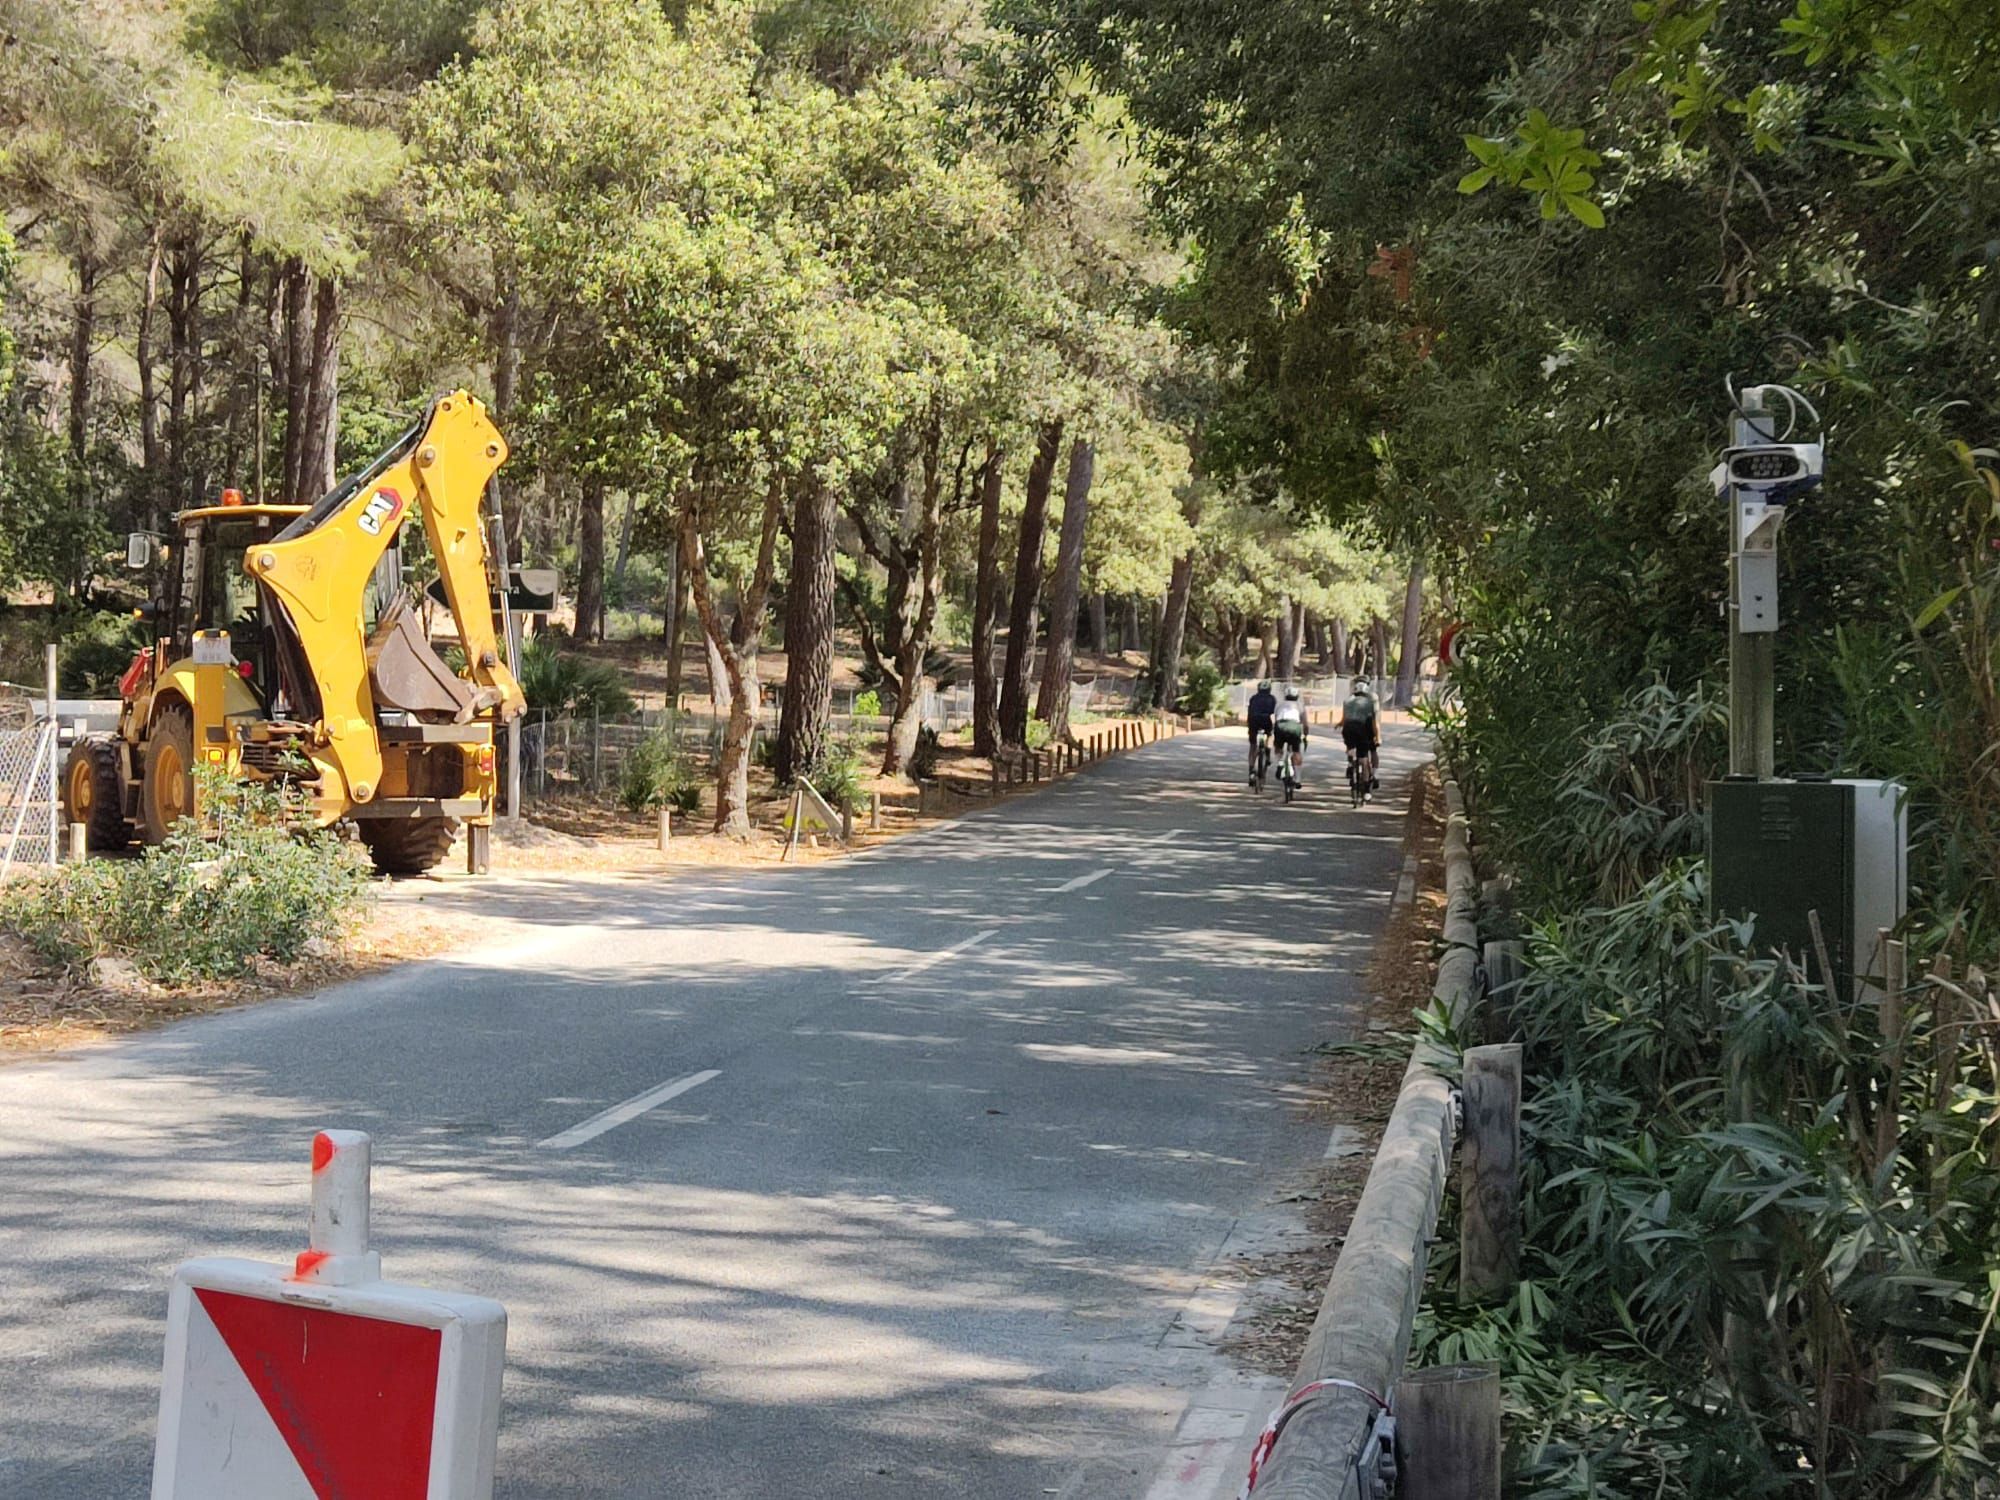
1752, 655
55, 801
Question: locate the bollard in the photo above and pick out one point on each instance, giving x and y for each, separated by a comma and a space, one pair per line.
320, 1378
1448, 1433
666, 827
79, 843
874, 812
1489, 1184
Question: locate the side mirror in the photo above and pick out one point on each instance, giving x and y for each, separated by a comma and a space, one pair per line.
142, 549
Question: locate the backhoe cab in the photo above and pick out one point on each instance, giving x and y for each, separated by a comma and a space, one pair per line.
286, 648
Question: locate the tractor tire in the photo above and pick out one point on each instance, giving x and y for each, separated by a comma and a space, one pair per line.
94, 794
166, 784
407, 846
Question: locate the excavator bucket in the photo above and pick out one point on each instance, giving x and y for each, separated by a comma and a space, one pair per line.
408, 675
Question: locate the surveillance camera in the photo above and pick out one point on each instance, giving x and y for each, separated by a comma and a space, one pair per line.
1772, 472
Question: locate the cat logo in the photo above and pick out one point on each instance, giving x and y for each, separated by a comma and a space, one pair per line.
381, 510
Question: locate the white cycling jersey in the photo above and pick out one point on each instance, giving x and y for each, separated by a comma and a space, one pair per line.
1288, 713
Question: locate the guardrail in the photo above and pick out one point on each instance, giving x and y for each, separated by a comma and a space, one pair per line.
1334, 1436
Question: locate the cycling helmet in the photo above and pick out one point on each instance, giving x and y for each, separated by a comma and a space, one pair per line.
1361, 686
1264, 687
1291, 695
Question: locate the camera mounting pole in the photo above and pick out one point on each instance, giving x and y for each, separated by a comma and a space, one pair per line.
1760, 474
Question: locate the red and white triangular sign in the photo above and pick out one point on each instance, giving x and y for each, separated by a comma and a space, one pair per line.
353, 1398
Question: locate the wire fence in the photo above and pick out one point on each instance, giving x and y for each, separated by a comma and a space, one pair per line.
29, 809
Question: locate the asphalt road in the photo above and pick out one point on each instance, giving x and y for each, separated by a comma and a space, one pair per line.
990, 1110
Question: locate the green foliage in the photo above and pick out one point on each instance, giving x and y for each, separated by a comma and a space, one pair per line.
1201, 687
1761, 1226
560, 682
1548, 163
243, 881
347, 43
838, 773
92, 658
868, 703
658, 773
1037, 735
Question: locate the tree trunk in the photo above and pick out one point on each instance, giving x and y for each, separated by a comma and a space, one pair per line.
1166, 665
183, 368
1129, 634
738, 664
1288, 639
83, 337
318, 417
802, 724
624, 546
1378, 647
297, 365
590, 562
1412, 647
1027, 587
671, 612
1053, 705
985, 691
1343, 663
503, 338
149, 403
918, 616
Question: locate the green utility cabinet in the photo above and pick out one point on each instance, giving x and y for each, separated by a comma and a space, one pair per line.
1779, 850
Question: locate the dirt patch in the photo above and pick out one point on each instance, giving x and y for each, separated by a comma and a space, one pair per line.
1356, 1085
43, 1008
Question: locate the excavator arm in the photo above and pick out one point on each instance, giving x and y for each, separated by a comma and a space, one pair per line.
317, 572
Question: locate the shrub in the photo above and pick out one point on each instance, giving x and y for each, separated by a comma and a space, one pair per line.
868, 704
836, 773
1037, 734
240, 882
657, 773
924, 759
1201, 687
93, 657
560, 682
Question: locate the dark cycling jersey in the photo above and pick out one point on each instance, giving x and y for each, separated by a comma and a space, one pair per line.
1261, 709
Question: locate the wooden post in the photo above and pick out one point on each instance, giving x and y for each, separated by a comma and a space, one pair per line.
666, 827
1489, 1184
798, 817
1895, 975
1504, 968
874, 812
1448, 1433
846, 823
79, 843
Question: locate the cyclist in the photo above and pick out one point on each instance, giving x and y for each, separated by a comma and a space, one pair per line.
1361, 728
1262, 709
1288, 727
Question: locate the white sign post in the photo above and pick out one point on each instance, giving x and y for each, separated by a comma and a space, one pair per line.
320, 1379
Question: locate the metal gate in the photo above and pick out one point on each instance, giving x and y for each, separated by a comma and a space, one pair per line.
29, 809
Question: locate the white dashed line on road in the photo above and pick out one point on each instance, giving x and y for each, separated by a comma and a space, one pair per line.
1080, 882
938, 957
631, 1109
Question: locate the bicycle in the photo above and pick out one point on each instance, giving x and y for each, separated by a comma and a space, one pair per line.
1263, 761
1357, 777
1288, 769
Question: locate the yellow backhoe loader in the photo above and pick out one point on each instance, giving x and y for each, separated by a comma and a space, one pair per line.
285, 647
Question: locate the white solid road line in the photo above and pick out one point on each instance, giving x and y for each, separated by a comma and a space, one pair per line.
938, 957
1166, 838
631, 1109
1081, 881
